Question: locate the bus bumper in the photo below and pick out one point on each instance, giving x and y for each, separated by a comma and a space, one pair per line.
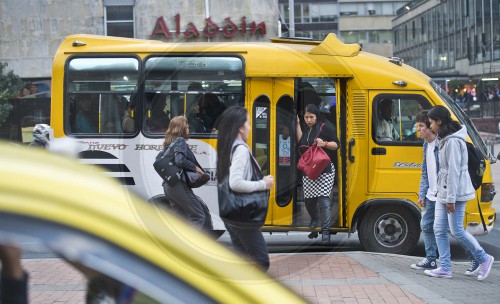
477, 229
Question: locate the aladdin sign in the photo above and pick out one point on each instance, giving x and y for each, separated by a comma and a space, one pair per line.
229, 29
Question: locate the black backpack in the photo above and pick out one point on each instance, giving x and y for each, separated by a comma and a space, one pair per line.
476, 164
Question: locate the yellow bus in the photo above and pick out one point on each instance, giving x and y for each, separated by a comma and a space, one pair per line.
117, 95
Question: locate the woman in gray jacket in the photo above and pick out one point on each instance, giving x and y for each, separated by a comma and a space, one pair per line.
454, 189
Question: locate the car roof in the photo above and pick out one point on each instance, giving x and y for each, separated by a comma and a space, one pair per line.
42, 186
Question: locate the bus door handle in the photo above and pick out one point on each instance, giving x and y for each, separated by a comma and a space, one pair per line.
378, 151
349, 150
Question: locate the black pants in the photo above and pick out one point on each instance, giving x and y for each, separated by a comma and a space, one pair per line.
183, 201
251, 242
319, 208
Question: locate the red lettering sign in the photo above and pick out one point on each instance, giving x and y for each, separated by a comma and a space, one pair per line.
160, 28
211, 29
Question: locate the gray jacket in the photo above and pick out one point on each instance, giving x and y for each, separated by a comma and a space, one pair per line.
454, 182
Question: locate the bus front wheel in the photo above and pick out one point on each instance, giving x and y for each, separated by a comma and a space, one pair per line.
389, 229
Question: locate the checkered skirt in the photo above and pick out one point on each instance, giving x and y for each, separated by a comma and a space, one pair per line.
321, 186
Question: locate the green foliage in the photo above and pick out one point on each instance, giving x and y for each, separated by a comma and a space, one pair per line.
10, 84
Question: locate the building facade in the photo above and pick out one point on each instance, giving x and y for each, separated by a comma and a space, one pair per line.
450, 38
355, 21
31, 30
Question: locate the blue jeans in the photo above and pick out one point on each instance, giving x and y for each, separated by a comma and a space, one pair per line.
455, 221
427, 226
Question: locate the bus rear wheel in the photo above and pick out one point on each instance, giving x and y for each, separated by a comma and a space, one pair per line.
389, 229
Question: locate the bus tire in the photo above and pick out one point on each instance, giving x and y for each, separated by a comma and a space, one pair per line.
389, 229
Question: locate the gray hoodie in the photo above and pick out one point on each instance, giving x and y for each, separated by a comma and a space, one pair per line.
454, 182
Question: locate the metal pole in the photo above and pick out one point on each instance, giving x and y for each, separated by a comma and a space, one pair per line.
291, 17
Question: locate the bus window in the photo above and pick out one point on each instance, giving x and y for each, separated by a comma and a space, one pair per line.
199, 87
285, 179
99, 95
395, 118
260, 132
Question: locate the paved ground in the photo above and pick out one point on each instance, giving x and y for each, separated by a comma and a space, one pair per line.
346, 277
352, 277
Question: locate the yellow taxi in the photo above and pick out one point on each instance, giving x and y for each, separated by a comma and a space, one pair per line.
113, 236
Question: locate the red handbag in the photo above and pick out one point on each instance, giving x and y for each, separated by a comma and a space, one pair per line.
313, 161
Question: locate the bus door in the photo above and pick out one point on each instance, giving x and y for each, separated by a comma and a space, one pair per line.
395, 151
271, 114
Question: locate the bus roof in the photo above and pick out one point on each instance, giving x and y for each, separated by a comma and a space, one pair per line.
283, 57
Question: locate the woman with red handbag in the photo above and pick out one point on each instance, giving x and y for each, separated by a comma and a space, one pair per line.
317, 192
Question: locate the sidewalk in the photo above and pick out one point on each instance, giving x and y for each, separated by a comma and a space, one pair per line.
350, 277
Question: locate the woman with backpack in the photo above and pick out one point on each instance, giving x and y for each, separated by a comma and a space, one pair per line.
181, 197
454, 189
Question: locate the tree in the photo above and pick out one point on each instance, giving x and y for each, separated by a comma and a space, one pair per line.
10, 84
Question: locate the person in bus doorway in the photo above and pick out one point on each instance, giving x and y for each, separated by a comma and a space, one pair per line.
181, 197
234, 127
427, 197
385, 127
317, 192
454, 189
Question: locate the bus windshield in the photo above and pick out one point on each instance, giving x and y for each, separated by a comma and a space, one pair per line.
464, 119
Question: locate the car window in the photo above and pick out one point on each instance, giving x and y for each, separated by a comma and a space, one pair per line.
394, 118
109, 269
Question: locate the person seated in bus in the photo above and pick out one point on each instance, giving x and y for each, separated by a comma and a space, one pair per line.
128, 122
196, 124
385, 127
210, 109
86, 117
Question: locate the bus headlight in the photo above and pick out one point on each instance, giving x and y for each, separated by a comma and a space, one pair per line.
487, 192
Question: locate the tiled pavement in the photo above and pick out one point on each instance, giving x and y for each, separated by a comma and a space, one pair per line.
349, 277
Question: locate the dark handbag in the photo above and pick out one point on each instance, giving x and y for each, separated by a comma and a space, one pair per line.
196, 179
166, 167
243, 209
313, 161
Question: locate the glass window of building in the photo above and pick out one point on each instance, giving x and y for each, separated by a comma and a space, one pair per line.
119, 18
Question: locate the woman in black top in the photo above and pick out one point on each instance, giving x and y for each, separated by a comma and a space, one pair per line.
317, 192
181, 197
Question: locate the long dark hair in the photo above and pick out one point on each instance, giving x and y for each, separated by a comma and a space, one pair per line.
448, 126
230, 122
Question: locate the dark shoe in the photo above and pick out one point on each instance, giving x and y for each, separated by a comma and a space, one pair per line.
425, 264
325, 236
473, 268
313, 223
313, 235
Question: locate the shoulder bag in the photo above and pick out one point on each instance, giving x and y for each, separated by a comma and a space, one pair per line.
243, 209
165, 167
196, 179
314, 160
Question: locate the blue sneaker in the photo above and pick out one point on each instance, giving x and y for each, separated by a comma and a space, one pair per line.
485, 268
438, 273
473, 268
425, 264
